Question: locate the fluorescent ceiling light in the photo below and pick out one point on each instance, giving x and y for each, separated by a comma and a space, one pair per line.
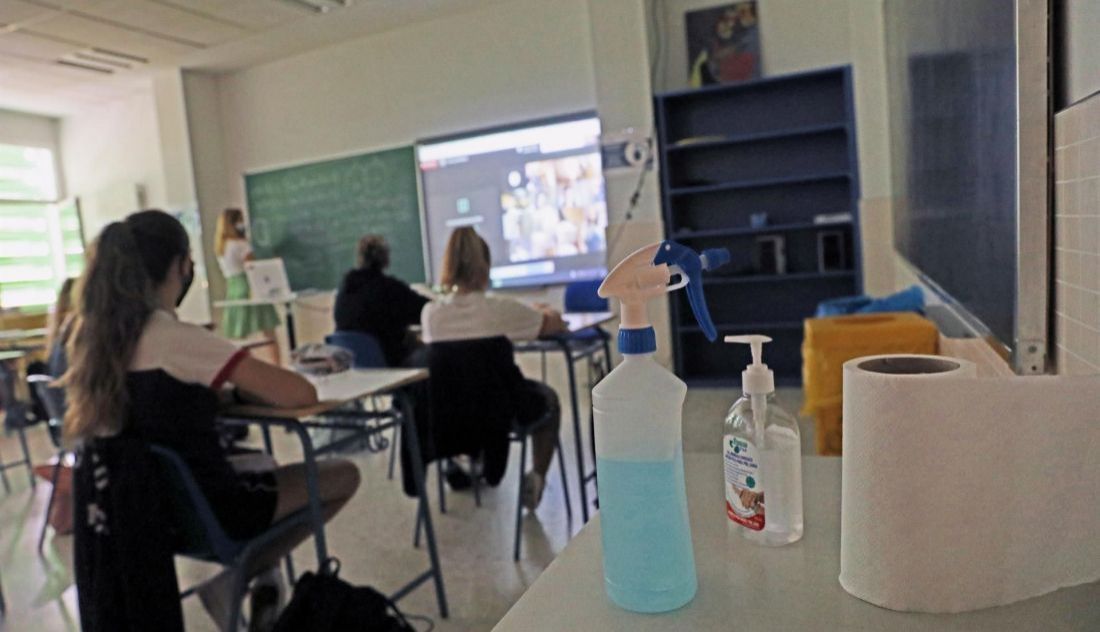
106, 52
83, 66
318, 6
100, 60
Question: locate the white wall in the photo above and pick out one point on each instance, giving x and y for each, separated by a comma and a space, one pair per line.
621, 65
139, 143
510, 62
106, 151
800, 35
204, 128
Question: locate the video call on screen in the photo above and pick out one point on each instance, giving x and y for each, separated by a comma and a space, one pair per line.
535, 193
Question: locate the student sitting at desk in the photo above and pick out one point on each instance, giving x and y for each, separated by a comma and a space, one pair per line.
136, 371
376, 303
466, 312
233, 250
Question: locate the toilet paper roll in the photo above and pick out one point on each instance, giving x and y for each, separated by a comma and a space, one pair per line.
961, 492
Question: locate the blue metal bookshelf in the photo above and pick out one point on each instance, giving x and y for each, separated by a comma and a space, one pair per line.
783, 148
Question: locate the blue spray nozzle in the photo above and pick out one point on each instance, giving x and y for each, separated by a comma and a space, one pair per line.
691, 264
715, 258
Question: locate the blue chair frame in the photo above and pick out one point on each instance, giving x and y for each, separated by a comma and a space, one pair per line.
203, 537
365, 348
15, 418
3, 604
53, 398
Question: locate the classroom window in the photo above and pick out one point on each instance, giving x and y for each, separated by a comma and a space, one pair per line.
40, 236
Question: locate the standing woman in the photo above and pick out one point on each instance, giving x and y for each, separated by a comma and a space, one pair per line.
233, 250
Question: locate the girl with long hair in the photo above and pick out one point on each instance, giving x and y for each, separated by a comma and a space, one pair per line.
233, 250
466, 312
135, 368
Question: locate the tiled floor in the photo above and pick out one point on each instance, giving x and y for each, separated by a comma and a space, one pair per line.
372, 536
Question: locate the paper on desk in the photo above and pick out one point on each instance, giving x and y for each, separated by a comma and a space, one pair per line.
962, 492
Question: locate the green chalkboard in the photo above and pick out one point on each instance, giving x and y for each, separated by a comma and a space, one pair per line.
312, 215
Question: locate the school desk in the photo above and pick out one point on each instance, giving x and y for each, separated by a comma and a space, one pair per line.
338, 395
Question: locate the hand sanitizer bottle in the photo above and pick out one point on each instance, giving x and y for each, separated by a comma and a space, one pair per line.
648, 562
763, 458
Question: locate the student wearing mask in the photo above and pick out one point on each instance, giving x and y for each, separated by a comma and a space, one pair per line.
373, 302
467, 312
136, 370
233, 250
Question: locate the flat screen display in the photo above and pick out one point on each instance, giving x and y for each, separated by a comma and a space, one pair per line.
535, 192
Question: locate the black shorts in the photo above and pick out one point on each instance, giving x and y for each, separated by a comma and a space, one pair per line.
247, 510
536, 403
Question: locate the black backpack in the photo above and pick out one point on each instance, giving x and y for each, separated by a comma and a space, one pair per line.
322, 602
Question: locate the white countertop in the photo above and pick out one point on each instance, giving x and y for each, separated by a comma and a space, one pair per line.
746, 587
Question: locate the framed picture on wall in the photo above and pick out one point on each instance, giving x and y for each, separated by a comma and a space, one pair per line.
723, 43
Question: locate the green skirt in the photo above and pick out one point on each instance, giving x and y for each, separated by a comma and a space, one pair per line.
245, 320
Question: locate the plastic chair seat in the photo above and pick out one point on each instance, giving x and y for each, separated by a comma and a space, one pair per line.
364, 348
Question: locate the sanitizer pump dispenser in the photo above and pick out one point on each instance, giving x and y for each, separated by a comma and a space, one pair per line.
762, 456
647, 556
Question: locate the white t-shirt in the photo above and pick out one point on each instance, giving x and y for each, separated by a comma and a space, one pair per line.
187, 352
478, 315
232, 260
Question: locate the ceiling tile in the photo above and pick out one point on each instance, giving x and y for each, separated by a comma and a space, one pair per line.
159, 18
96, 34
22, 43
16, 11
256, 15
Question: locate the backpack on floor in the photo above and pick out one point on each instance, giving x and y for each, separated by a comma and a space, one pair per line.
322, 602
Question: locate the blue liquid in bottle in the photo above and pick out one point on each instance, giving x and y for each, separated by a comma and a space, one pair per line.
648, 563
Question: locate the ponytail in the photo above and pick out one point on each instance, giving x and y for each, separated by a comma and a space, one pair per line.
115, 297
466, 261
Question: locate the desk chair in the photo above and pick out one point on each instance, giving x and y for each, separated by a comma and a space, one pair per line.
582, 297
16, 419
588, 344
366, 353
365, 349
201, 536
53, 399
472, 385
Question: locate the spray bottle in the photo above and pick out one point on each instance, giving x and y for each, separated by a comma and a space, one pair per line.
648, 561
763, 458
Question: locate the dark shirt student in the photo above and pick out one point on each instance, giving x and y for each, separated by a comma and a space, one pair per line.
370, 301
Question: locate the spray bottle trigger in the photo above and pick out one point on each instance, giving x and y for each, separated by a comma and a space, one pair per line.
690, 265
675, 269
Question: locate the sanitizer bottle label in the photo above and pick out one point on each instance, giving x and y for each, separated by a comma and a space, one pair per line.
744, 489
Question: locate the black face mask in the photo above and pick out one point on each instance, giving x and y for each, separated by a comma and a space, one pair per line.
187, 280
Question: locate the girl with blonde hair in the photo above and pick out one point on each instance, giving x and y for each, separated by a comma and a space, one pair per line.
467, 312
